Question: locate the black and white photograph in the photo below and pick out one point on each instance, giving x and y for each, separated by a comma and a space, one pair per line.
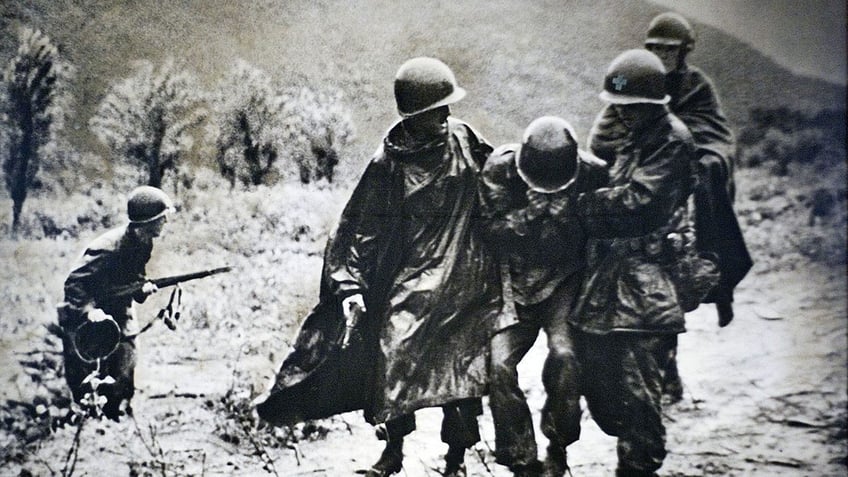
529, 238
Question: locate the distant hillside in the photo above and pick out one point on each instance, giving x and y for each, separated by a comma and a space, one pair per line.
518, 59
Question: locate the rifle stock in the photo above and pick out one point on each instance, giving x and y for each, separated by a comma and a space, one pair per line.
133, 288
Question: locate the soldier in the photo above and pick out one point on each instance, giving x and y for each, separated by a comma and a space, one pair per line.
408, 252
100, 328
408, 272
524, 192
695, 102
628, 314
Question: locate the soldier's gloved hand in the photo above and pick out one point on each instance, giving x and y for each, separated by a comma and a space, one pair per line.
149, 288
352, 307
517, 222
537, 204
561, 207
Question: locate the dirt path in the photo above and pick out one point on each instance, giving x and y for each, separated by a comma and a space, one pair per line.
765, 396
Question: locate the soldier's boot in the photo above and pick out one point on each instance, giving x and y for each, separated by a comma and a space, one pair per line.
628, 472
725, 313
672, 385
112, 409
455, 462
556, 463
390, 461
532, 469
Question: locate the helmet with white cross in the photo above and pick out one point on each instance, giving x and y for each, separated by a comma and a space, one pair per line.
635, 76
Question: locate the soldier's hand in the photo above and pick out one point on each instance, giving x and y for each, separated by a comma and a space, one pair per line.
149, 288
537, 204
561, 207
517, 222
352, 308
96, 314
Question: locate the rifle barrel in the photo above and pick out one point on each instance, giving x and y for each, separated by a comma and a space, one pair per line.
168, 281
163, 282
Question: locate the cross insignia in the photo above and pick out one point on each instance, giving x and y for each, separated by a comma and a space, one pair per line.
619, 82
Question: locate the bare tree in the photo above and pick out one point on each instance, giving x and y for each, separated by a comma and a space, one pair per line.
248, 127
325, 127
262, 134
35, 94
148, 117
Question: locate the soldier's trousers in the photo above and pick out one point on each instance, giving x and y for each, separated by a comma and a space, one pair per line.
672, 384
120, 365
459, 424
622, 382
515, 444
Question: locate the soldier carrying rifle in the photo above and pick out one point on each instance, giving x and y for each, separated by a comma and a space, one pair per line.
114, 259
97, 317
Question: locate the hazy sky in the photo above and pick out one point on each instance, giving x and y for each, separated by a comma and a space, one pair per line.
806, 36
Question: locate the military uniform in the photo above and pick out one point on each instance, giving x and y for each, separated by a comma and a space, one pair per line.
543, 260
628, 312
717, 231
114, 259
410, 242
408, 254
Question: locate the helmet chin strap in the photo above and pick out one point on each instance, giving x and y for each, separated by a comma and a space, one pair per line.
681, 57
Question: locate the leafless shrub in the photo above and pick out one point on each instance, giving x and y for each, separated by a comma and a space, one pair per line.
148, 117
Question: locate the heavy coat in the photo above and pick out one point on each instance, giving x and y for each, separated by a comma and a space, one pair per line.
409, 242
552, 248
695, 102
627, 288
114, 259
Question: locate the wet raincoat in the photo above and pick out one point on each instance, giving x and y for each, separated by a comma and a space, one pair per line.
551, 249
695, 102
627, 287
628, 311
409, 242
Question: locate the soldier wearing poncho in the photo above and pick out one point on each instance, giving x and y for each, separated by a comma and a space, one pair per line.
408, 251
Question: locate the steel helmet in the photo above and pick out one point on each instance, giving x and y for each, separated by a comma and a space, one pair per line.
635, 76
670, 29
422, 84
147, 204
548, 159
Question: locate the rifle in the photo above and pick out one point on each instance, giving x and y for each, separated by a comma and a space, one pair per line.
133, 288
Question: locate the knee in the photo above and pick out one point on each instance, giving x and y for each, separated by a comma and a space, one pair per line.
712, 166
561, 359
711, 163
502, 371
563, 354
